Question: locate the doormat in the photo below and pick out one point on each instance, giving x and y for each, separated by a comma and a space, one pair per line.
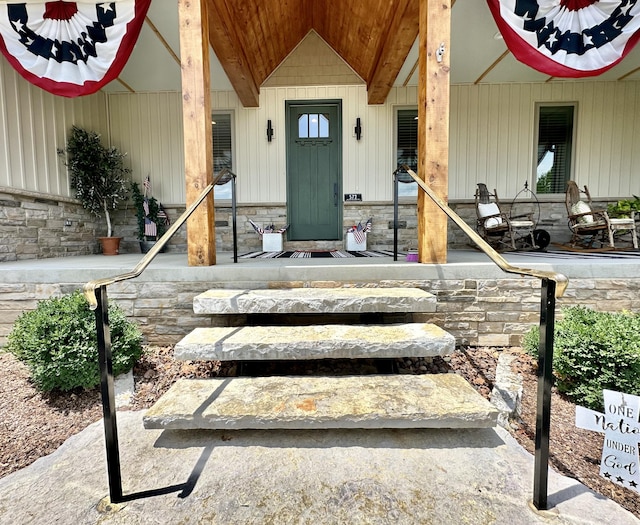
316, 254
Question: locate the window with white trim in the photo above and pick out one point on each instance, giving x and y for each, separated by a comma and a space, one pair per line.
406, 146
554, 147
222, 130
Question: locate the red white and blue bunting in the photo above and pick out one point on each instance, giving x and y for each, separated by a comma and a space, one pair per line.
568, 38
70, 48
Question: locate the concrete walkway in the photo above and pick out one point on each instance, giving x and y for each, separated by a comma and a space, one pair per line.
299, 477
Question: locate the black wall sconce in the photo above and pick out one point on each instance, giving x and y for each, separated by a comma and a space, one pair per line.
358, 129
269, 131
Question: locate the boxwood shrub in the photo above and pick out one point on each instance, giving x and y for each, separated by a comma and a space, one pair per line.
58, 343
593, 351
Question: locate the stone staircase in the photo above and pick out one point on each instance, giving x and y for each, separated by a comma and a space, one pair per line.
334, 401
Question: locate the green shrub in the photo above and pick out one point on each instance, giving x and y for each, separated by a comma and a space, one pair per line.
58, 342
593, 351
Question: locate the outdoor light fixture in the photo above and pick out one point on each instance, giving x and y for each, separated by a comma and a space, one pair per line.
269, 131
358, 129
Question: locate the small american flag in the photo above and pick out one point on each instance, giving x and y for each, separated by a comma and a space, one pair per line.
257, 228
150, 228
359, 235
162, 214
360, 231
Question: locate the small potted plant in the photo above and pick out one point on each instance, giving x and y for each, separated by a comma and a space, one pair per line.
151, 217
98, 177
623, 209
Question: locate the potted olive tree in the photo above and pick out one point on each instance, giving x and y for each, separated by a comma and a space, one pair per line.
98, 177
151, 217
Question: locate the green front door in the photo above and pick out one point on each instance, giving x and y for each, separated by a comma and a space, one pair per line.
314, 170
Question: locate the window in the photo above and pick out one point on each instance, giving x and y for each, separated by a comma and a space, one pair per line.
222, 130
407, 146
313, 126
554, 148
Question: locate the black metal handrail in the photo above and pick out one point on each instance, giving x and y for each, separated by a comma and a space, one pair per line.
96, 294
92, 286
553, 285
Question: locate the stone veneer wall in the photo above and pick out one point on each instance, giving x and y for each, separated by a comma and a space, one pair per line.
381, 237
485, 312
35, 226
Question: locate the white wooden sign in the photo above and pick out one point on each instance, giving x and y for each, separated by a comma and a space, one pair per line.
621, 427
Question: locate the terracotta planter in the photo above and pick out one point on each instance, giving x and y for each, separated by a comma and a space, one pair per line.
110, 245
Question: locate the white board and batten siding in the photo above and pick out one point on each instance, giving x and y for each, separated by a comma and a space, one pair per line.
493, 134
33, 125
492, 137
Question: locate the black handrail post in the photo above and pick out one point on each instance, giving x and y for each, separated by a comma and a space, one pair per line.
395, 215
234, 219
108, 395
543, 413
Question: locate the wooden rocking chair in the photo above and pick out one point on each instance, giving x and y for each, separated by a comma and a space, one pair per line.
588, 226
499, 230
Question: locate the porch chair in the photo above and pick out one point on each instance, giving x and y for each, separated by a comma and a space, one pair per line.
589, 226
499, 230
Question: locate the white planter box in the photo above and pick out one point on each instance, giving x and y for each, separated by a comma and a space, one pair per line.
271, 242
353, 246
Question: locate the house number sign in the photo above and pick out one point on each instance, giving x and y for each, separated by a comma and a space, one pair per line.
619, 423
353, 197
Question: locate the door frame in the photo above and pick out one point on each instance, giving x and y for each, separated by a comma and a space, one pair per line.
337, 103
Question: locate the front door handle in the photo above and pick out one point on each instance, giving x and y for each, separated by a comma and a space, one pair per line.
335, 194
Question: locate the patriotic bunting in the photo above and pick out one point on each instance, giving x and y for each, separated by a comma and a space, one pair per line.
70, 48
568, 38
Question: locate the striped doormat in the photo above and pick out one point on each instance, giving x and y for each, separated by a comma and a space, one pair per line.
316, 254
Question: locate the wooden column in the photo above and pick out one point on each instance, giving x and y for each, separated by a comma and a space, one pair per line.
433, 126
196, 118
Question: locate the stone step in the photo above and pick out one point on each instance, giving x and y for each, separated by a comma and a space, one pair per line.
314, 300
286, 402
315, 342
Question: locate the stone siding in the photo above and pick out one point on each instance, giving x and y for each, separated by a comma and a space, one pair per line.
486, 312
34, 226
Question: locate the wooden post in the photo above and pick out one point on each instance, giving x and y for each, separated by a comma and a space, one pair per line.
196, 118
433, 126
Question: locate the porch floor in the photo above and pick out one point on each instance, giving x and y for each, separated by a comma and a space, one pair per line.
461, 264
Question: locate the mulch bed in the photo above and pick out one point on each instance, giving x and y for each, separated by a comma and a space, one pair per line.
33, 424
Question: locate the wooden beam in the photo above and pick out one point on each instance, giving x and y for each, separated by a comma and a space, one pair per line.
490, 68
433, 126
196, 118
230, 53
162, 39
393, 50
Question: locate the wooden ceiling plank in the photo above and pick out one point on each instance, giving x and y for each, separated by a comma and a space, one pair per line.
231, 54
393, 50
